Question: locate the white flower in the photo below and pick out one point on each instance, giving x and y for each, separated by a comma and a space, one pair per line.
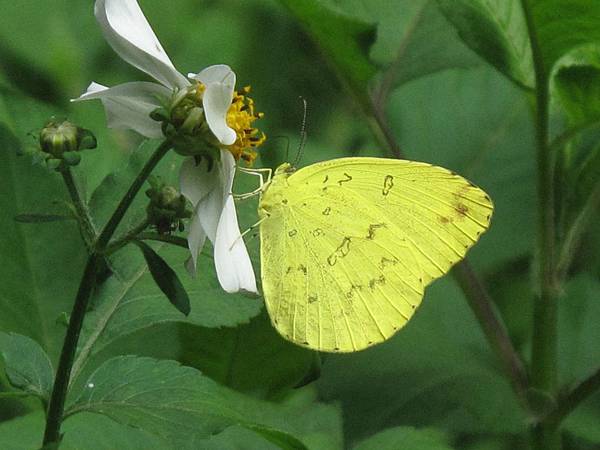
129, 106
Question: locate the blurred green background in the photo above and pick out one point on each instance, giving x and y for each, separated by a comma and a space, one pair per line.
451, 108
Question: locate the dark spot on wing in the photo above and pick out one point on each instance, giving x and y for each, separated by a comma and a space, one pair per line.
462, 209
325, 179
388, 184
372, 229
312, 298
292, 233
346, 179
384, 262
302, 268
444, 219
376, 281
284, 201
342, 250
327, 211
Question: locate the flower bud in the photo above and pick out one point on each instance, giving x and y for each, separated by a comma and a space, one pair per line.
59, 143
166, 208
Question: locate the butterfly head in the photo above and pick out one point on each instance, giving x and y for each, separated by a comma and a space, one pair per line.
285, 169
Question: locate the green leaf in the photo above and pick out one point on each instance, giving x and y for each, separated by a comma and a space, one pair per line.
578, 350
165, 278
496, 30
414, 38
41, 218
578, 318
26, 364
344, 40
565, 24
576, 85
180, 404
405, 438
250, 358
81, 432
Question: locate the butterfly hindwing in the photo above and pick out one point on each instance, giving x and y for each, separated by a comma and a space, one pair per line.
349, 244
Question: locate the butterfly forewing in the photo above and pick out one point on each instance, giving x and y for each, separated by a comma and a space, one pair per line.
349, 244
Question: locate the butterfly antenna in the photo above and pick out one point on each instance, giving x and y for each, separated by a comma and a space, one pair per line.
302, 133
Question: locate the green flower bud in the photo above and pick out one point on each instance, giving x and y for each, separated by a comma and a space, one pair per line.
59, 137
60, 141
166, 208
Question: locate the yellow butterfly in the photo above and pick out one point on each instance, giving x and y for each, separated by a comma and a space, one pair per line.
349, 245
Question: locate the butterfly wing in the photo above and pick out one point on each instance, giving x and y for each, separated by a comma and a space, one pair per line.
349, 245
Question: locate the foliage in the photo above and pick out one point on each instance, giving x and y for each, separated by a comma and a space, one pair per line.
450, 82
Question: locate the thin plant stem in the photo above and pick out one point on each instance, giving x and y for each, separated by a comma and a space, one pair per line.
545, 315
86, 224
119, 213
493, 328
574, 398
173, 240
576, 233
62, 380
121, 242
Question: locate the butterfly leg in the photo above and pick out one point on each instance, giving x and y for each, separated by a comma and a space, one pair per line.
241, 236
260, 173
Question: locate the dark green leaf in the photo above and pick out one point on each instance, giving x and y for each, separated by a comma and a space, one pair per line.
283, 441
576, 84
250, 358
81, 432
26, 364
414, 38
497, 31
165, 278
41, 218
344, 40
181, 405
405, 438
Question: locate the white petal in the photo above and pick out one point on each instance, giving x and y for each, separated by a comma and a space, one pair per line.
234, 268
220, 83
219, 73
129, 105
196, 238
216, 101
204, 190
129, 34
232, 262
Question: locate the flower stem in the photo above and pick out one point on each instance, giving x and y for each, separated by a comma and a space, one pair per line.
84, 218
61, 382
121, 242
173, 240
578, 394
86, 287
119, 213
483, 307
544, 340
576, 233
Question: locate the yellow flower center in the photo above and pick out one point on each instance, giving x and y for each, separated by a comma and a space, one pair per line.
240, 117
